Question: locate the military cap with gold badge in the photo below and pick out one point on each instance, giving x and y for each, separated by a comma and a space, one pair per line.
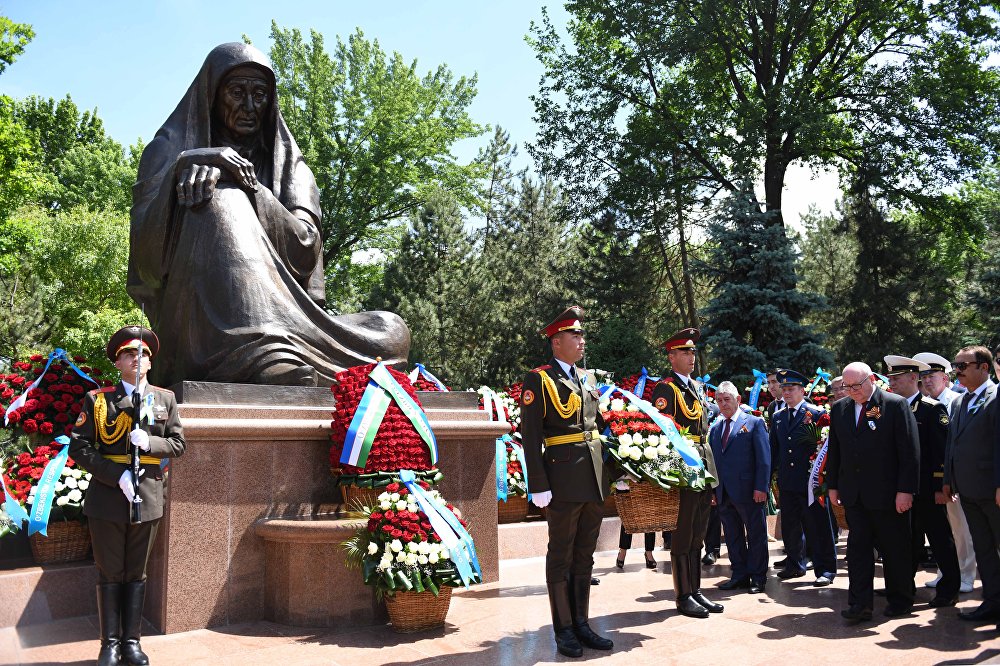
686, 338
900, 365
131, 337
935, 362
571, 319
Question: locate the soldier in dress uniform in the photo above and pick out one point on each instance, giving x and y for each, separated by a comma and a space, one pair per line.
929, 515
566, 474
677, 396
101, 442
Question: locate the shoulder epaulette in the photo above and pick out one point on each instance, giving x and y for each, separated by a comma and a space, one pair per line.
541, 368
668, 380
103, 389
930, 401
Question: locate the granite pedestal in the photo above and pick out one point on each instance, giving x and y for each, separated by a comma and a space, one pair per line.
255, 454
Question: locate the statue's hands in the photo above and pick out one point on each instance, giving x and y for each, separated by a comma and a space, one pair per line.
196, 184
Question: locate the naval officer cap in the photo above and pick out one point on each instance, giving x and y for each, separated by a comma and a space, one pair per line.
571, 319
936, 362
683, 339
900, 365
788, 377
132, 337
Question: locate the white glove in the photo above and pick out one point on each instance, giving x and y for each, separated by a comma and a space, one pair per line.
140, 438
125, 483
541, 500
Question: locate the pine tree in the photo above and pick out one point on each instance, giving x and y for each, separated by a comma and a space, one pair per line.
753, 319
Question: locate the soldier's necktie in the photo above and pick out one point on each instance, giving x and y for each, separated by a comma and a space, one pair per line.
725, 434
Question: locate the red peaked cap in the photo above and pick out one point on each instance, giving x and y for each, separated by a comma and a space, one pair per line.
571, 319
683, 339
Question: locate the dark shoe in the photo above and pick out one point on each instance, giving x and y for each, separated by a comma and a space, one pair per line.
896, 611
780, 564
133, 595
650, 562
735, 584
756, 588
786, 574
880, 592
710, 558
109, 598
856, 613
823, 581
620, 562
702, 600
567, 643
595, 581
941, 602
586, 636
688, 606
982, 614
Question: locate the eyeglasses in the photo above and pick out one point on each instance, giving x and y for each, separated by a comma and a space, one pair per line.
855, 387
962, 365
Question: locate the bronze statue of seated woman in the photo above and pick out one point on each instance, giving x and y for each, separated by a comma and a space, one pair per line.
226, 253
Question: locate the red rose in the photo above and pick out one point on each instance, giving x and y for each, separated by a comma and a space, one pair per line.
96, 371
390, 514
50, 377
36, 357
396, 533
44, 450
47, 428
67, 397
15, 416
39, 416
375, 515
79, 359
29, 426
59, 406
46, 400
392, 488
387, 529
32, 405
61, 417
7, 394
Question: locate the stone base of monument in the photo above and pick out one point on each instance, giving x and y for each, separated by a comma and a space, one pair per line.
252, 525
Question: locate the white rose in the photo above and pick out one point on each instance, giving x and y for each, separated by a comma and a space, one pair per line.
75, 495
625, 439
631, 408
396, 545
411, 559
617, 405
400, 557
512, 457
62, 501
637, 440
649, 453
635, 453
394, 497
84, 484
401, 505
412, 547
372, 548
70, 483
663, 450
422, 559
653, 440
517, 476
67, 471
77, 473
604, 405
385, 562
383, 497
385, 505
59, 487
624, 451
432, 558
445, 554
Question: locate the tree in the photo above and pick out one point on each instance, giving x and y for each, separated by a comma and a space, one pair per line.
744, 90
377, 135
14, 37
433, 283
752, 320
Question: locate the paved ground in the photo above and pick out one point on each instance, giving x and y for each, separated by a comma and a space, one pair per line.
508, 623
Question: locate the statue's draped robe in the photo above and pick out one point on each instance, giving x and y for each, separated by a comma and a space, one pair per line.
235, 286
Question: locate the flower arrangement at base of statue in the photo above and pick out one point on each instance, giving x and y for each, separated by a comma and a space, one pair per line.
379, 428
414, 548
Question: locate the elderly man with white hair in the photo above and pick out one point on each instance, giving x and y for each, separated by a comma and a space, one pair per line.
873, 471
743, 461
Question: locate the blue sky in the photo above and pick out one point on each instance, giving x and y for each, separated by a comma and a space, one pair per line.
134, 60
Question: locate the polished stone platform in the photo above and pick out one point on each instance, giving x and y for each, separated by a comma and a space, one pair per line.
507, 623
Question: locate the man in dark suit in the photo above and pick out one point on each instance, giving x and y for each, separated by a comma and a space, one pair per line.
794, 441
872, 470
774, 388
101, 442
677, 396
743, 460
567, 476
929, 515
972, 470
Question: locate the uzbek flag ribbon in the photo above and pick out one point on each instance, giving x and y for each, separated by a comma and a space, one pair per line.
676, 439
431, 378
446, 525
817, 468
640, 386
501, 459
759, 379
13, 508
57, 354
820, 374
42, 507
382, 388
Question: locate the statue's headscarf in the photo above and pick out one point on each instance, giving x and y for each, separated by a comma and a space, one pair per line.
189, 127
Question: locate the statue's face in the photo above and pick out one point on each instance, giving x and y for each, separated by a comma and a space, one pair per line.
242, 101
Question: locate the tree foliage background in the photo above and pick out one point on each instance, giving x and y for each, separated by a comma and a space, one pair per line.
653, 196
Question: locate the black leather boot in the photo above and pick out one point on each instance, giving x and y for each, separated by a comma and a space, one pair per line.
696, 594
581, 615
680, 566
562, 619
133, 596
109, 618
